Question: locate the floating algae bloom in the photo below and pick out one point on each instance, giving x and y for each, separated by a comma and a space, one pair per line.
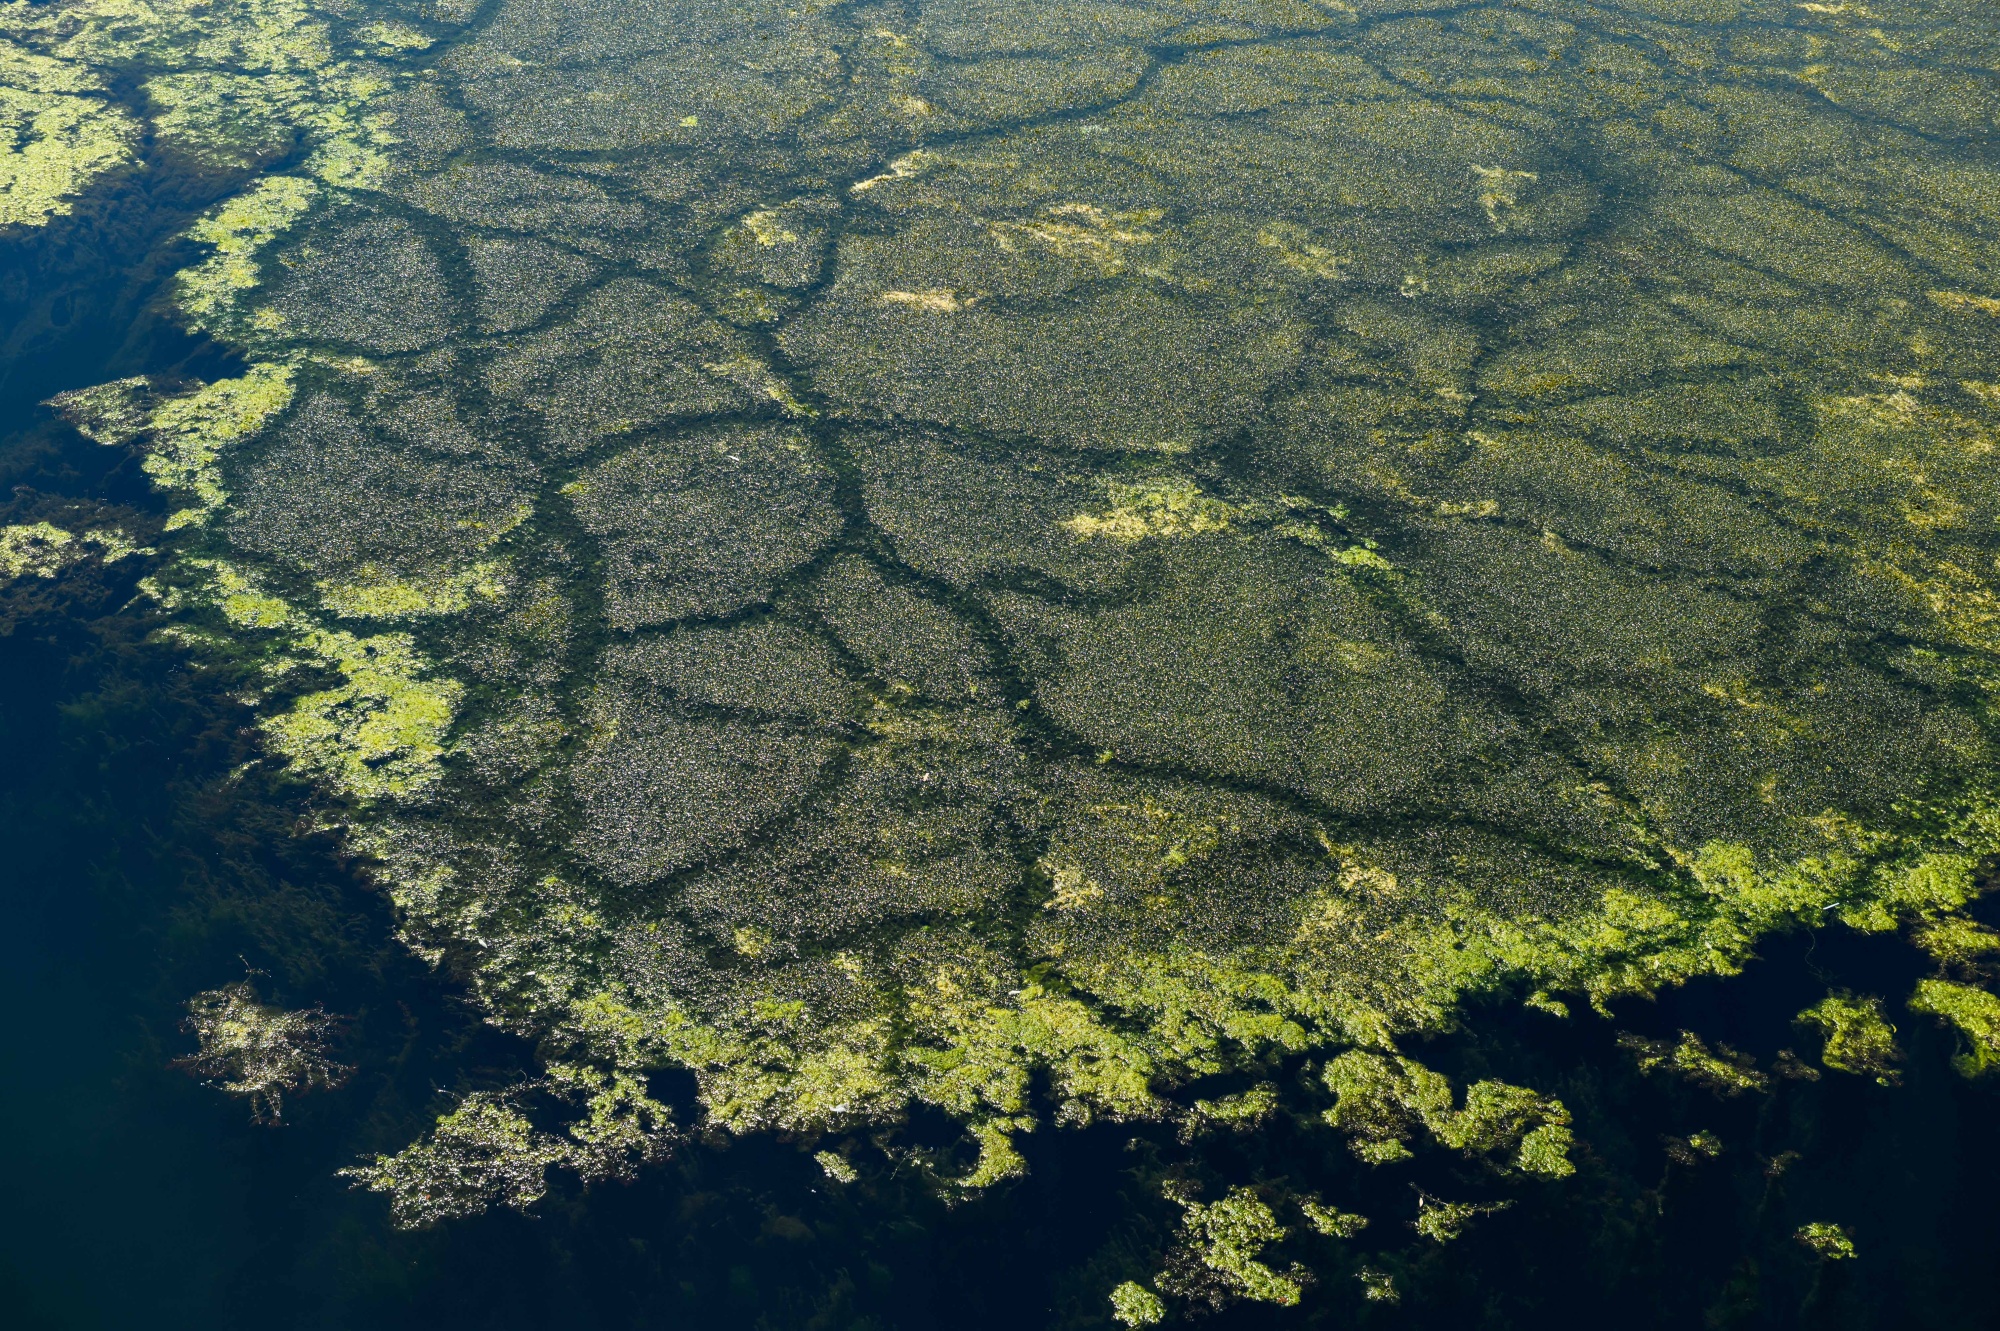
258, 1051
1013, 557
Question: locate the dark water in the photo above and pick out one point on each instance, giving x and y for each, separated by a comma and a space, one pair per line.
147, 859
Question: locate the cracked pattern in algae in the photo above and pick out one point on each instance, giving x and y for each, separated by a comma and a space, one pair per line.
893, 554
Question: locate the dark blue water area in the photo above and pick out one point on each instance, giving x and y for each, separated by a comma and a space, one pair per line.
149, 854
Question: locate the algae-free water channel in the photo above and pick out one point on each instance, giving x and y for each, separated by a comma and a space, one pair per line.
1032, 664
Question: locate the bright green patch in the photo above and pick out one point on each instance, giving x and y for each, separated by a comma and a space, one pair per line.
1858, 1038
1973, 1012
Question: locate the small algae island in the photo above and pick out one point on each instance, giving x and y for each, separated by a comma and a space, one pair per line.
916, 580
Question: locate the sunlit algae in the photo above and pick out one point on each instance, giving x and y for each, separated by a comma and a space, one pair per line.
909, 554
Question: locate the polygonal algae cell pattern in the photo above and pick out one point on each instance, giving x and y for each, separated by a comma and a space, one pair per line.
1008, 556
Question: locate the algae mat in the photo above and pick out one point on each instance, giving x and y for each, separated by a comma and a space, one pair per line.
1064, 563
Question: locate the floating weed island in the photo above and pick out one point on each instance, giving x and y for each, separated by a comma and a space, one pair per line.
1081, 562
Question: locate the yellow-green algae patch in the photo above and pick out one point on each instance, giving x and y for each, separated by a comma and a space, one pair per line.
238, 230
56, 137
1859, 1039
1721, 1070
43, 550
1132, 1304
233, 83
1166, 506
35, 549
182, 435
1827, 1241
1226, 1237
258, 1051
414, 598
378, 734
1973, 1012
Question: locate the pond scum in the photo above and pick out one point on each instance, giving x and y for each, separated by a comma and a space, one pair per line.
1036, 560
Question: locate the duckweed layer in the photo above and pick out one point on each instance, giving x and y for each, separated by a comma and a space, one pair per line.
929, 555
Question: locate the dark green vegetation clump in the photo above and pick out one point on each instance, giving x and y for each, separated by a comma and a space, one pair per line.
936, 557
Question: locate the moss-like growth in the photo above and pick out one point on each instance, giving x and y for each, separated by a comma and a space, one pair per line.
238, 231
35, 549
1441, 1221
56, 137
1331, 1221
1958, 943
233, 84
1165, 506
183, 435
1859, 1039
1382, 1100
1694, 1148
1132, 1304
252, 1049
1378, 1286
1827, 1241
1973, 1012
377, 734
836, 1166
1224, 1238
483, 1153
1722, 1070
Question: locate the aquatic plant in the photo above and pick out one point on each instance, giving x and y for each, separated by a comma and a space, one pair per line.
1827, 1241
43, 550
1018, 564
1441, 1221
36, 549
1973, 1012
263, 1053
1134, 1305
58, 137
1223, 1239
1858, 1038
1723, 1070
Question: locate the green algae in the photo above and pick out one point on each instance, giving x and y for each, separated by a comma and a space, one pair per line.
1859, 1040
232, 85
1033, 572
44, 550
377, 734
260, 1052
1973, 1012
1381, 1102
1132, 1304
484, 1153
1722, 1071
1225, 1238
1442, 1221
1378, 1286
1827, 1241
1331, 1221
1166, 506
1957, 942
237, 231
55, 137
36, 549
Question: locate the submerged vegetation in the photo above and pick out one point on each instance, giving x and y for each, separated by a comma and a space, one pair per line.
1135, 568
